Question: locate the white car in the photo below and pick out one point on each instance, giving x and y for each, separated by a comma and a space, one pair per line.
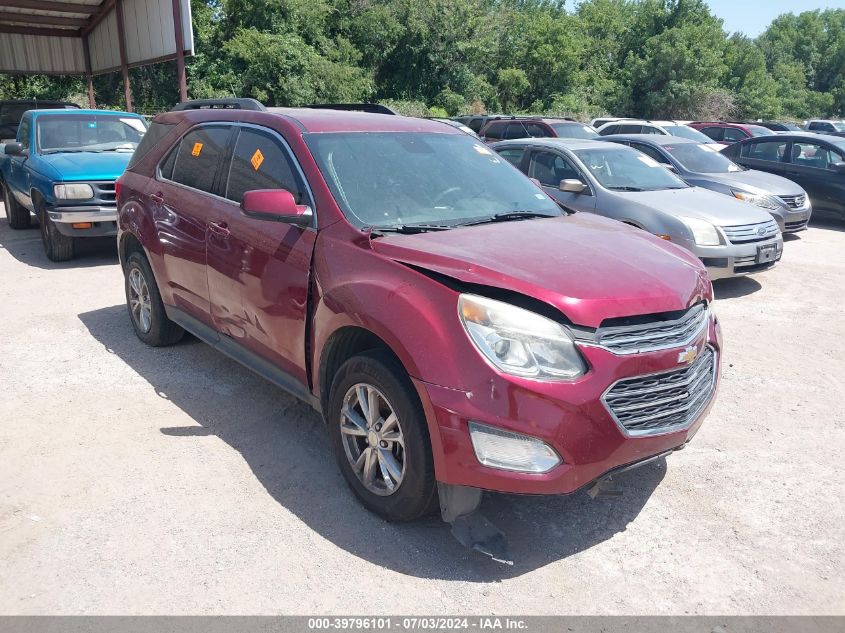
667, 128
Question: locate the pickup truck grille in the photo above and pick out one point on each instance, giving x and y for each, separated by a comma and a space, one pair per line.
665, 402
751, 232
104, 192
632, 339
794, 202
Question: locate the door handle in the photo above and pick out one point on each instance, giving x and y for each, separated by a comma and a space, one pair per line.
219, 228
157, 197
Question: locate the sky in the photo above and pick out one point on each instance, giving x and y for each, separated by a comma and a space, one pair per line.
753, 16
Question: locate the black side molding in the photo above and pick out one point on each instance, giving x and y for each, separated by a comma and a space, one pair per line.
245, 357
219, 104
371, 108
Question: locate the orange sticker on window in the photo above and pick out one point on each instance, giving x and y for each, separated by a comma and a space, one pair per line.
257, 159
197, 149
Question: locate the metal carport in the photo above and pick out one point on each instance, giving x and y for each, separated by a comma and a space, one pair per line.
92, 37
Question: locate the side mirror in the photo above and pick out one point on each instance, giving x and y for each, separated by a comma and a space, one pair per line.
572, 185
839, 168
277, 205
671, 167
13, 149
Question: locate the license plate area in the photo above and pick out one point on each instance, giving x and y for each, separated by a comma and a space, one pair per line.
767, 253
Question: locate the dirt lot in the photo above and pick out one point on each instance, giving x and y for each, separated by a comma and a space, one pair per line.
171, 481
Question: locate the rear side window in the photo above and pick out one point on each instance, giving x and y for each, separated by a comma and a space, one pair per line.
611, 129
716, 133
198, 155
513, 155
260, 162
536, 130
648, 129
732, 135
155, 133
494, 130
629, 129
515, 130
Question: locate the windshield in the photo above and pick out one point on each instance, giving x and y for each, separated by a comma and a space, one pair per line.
702, 159
759, 130
687, 132
574, 130
89, 133
625, 169
390, 179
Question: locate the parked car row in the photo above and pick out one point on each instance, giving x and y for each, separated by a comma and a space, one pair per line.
459, 328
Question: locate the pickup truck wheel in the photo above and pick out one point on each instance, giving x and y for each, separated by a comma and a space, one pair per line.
59, 248
380, 437
146, 309
17, 215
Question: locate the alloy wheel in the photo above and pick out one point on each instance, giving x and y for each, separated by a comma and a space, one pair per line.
139, 300
372, 439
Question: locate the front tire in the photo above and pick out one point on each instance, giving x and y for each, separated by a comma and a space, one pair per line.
58, 247
146, 309
380, 437
17, 215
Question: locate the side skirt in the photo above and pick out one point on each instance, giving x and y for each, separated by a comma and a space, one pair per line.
245, 357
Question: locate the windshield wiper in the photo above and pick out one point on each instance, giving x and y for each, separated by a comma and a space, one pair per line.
507, 216
70, 151
626, 188
408, 229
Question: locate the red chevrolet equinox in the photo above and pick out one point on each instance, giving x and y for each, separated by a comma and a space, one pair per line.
457, 329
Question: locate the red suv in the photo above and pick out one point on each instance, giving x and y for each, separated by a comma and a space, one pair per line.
729, 133
512, 127
457, 329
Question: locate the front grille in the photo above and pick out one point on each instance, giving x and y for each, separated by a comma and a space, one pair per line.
104, 192
796, 226
794, 202
751, 232
660, 403
631, 339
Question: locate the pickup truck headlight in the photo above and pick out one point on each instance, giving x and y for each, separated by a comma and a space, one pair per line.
704, 233
73, 191
760, 199
520, 342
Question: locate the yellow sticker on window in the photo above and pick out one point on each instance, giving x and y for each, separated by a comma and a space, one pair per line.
257, 159
197, 149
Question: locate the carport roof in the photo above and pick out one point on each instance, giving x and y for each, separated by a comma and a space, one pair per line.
91, 36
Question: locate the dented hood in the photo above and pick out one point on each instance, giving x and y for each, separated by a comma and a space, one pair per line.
590, 268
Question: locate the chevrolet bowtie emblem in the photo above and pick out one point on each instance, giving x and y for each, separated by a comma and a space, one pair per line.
688, 355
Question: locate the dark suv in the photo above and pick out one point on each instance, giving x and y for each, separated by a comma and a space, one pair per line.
534, 127
728, 133
366, 263
12, 111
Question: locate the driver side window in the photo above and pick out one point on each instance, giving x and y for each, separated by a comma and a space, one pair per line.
551, 168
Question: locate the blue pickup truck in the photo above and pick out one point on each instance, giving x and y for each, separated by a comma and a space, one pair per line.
63, 169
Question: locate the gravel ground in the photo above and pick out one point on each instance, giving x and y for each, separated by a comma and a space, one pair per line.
173, 481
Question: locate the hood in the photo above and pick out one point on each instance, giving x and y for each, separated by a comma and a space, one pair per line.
88, 166
695, 202
588, 267
755, 182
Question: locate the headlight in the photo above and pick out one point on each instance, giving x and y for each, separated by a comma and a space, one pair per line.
498, 448
73, 191
760, 199
704, 233
520, 342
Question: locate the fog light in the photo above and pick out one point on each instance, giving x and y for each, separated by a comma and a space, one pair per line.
511, 451
82, 225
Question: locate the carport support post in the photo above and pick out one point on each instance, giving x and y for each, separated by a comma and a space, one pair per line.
180, 51
124, 66
88, 74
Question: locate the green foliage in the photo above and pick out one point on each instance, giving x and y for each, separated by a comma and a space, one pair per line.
652, 58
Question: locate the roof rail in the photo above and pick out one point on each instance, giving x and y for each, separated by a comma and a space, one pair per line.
371, 108
219, 104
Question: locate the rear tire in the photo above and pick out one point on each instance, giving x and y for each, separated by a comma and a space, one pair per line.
395, 437
17, 215
146, 309
58, 247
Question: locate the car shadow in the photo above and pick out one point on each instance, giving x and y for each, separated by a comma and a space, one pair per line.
25, 246
286, 446
828, 223
734, 287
